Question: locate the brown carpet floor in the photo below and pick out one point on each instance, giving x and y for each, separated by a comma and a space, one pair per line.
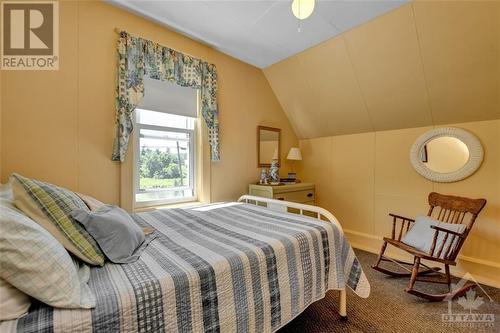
389, 308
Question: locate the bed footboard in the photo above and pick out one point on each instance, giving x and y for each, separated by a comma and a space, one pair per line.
301, 209
306, 210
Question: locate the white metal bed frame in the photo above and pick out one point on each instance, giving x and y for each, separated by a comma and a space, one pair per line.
282, 206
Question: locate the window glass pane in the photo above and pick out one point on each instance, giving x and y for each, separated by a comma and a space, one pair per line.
165, 165
148, 117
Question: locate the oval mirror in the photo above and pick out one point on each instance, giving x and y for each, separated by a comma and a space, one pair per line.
446, 154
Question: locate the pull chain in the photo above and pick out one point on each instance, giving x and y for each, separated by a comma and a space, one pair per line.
298, 26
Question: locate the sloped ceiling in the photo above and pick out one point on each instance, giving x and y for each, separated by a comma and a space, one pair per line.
259, 32
425, 63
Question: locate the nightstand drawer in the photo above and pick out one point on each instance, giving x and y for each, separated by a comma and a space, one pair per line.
296, 196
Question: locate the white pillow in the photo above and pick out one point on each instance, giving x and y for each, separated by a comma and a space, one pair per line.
34, 262
13, 303
421, 235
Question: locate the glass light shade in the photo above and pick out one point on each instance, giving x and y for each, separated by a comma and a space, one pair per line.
302, 9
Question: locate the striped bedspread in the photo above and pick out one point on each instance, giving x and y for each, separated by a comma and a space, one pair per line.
227, 268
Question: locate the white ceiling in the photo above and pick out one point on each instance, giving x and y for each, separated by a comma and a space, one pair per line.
258, 32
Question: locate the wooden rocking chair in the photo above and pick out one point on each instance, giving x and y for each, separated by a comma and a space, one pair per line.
449, 209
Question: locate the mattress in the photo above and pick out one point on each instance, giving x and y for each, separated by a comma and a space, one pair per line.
222, 268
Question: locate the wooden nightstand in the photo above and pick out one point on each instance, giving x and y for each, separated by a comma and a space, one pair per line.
301, 192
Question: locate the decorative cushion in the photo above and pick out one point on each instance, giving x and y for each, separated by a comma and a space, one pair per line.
50, 206
91, 202
34, 262
421, 235
13, 302
115, 231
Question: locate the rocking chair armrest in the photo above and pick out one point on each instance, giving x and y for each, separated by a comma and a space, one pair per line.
401, 217
461, 235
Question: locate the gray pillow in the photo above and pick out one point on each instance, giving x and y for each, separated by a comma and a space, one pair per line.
421, 235
114, 230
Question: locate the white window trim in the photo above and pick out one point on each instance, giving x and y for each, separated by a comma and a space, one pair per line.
192, 155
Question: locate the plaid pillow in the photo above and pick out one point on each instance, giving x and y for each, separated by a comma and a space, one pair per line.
50, 206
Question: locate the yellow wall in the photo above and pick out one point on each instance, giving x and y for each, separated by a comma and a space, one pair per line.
361, 178
58, 126
425, 63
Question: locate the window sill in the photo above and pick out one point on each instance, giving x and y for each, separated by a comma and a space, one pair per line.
167, 206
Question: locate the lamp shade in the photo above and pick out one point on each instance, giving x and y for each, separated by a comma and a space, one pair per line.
294, 154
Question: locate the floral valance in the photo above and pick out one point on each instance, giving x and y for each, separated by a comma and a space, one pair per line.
138, 57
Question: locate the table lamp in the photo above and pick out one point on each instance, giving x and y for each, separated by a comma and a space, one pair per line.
293, 155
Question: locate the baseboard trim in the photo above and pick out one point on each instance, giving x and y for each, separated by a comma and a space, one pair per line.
484, 271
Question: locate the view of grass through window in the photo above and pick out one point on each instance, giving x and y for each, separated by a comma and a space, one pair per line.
165, 157
162, 169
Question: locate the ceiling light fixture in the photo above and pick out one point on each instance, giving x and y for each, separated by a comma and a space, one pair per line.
302, 9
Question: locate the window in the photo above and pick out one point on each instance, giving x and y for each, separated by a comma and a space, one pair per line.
165, 153
165, 123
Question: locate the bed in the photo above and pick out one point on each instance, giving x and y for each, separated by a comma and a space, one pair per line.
248, 266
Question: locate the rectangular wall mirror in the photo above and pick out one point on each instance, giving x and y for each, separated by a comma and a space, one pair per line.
268, 145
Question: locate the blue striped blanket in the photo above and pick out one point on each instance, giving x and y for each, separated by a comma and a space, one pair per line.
229, 268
